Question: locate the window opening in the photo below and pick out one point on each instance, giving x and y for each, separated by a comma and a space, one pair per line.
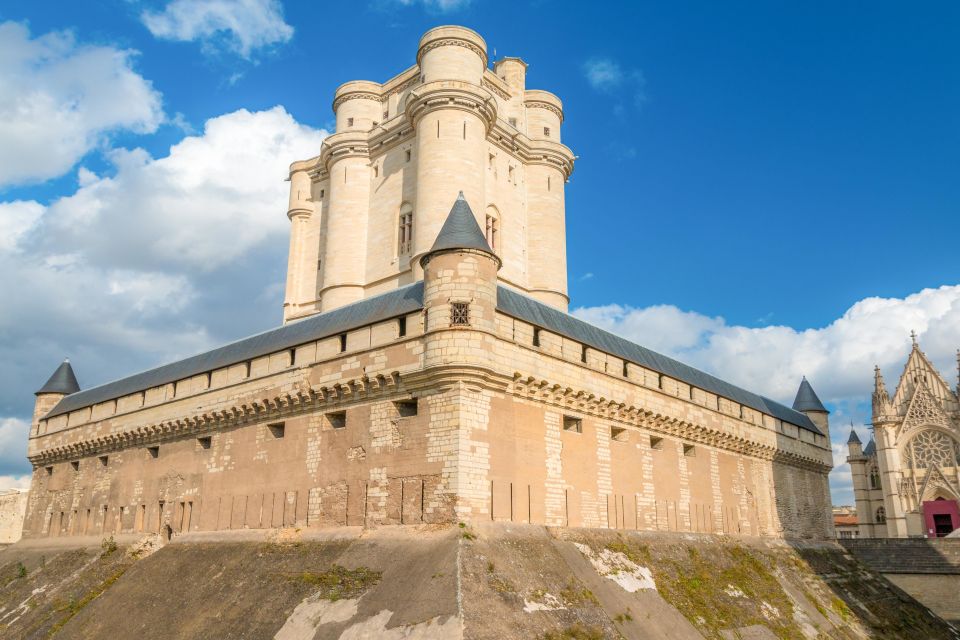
104, 460
536, 336
154, 451
337, 419
343, 342
618, 433
459, 314
571, 423
401, 327
405, 231
689, 450
656, 443
492, 231
276, 429
406, 408
205, 441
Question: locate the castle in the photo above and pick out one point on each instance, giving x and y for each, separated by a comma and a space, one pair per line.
427, 370
906, 481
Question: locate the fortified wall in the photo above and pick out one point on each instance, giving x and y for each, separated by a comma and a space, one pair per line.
465, 395
13, 507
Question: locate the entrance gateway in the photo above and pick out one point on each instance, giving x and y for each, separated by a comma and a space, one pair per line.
941, 516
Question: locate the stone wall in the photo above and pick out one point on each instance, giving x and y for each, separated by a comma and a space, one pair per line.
13, 506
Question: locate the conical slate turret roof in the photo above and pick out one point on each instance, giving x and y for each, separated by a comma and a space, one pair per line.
807, 400
854, 438
870, 448
460, 230
62, 381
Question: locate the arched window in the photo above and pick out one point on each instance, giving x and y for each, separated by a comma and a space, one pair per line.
493, 228
405, 230
874, 478
881, 515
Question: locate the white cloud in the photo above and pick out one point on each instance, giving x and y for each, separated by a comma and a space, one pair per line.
837, 359
239, 26
603, 74
16, 219
439, 6
162, 259
59, 99
211, 200
15, 482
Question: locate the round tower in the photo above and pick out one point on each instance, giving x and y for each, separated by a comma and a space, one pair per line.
357, 106
62, 383
302, 258
547, 173
459, 288
452, 114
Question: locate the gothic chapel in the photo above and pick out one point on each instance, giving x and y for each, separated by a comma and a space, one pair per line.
906, 480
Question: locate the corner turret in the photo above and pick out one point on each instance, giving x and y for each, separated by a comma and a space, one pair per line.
460, 278
854, 446
62, 383
809, 404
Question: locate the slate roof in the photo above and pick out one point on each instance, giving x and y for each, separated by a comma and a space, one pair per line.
408, 300
62, 381
376, 309
807, 399
524, 308
870, 449
460, 230
854, 438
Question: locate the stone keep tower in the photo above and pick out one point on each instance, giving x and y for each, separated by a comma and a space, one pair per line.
369, 206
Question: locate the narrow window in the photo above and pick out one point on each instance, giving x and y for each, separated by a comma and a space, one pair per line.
205, 441
343, 342
337, 419
571, 423
276, 430
881, 515
247, 367
293, 357
49, 470
546, 131
492, 231
319, 264
618, 433
401, 327
405, 230
154, 452
406, 408
536, 336
626, 370
459, 314
492, 162
408, 154
656, 443
386, 114
464, 129
510, 177
323, 192
548, 183
513, 122
689, 450
209, 379
376, 171
583, 353
349, 122
76, 465
438, 128
104, 460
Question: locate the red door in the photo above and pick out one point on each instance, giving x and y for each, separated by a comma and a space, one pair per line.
941, 517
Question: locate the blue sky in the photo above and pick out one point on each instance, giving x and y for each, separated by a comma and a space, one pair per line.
764, 190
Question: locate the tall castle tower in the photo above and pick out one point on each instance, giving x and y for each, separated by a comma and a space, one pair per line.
369, 206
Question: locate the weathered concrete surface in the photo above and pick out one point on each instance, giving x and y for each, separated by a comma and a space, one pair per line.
940, 593
510, 582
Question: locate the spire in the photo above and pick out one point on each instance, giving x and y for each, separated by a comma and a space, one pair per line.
461, 231
807, 399
854, 438
62, 381
880, 395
